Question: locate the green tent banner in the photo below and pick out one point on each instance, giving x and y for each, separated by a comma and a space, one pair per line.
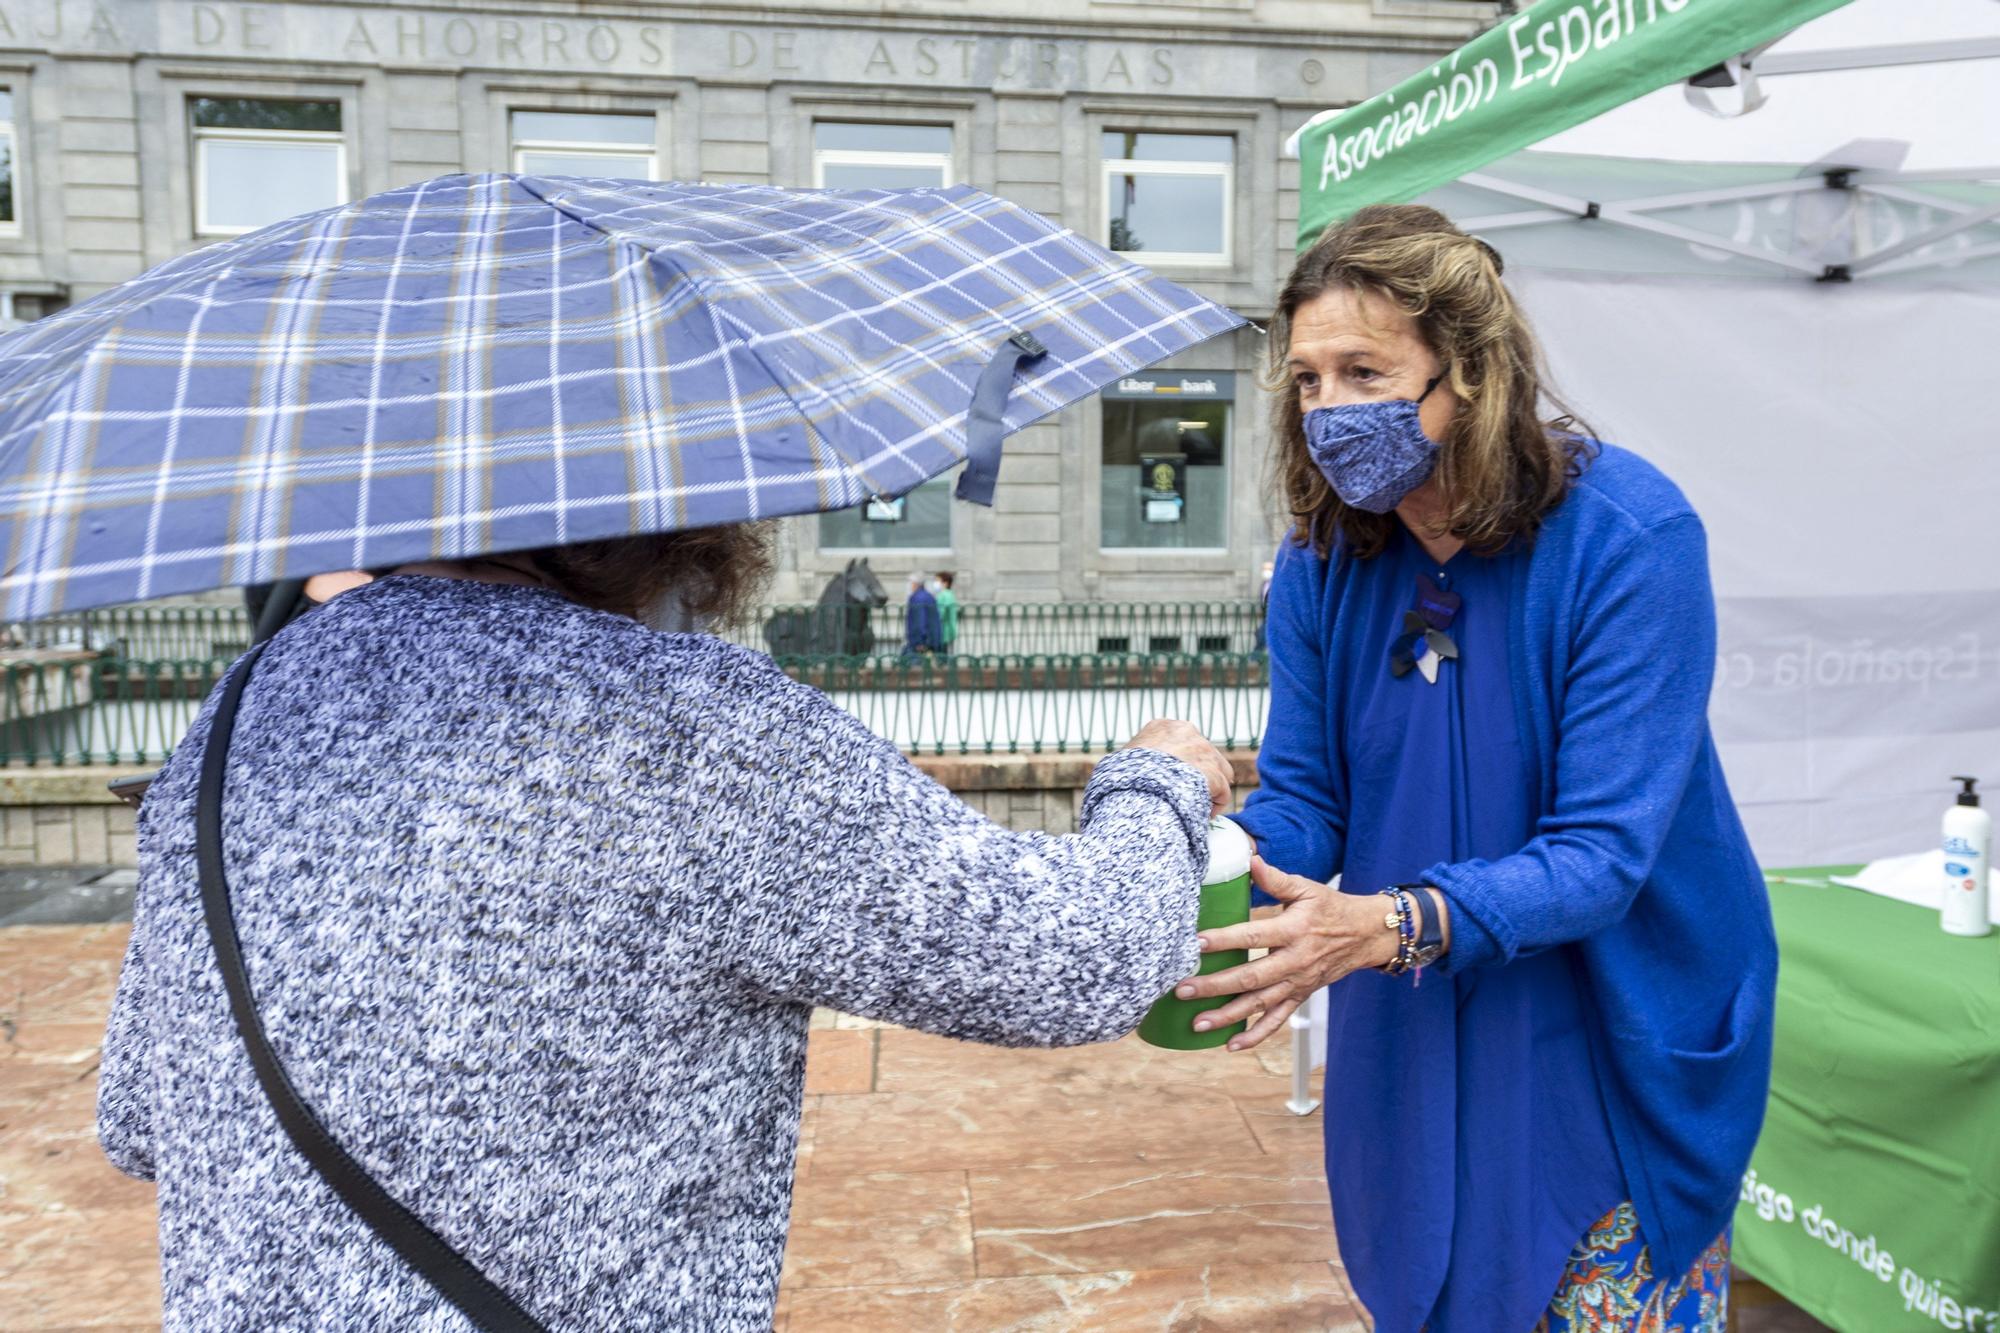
1552, 66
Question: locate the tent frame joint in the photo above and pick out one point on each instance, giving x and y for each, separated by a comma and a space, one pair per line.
1840, 178
1836, 273
1593, 209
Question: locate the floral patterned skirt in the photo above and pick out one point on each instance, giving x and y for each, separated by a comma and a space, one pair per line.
1610, 1285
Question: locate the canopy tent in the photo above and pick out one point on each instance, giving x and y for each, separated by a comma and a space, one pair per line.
1527, 77
1839, 446
1797, 324
1803, 346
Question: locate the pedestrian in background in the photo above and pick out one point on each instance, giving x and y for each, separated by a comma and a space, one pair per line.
920, 618
947, 604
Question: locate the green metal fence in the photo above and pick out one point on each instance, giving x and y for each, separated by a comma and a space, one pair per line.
70, 708
60, 707
988, 629
1044, 703
992, 629
144, 633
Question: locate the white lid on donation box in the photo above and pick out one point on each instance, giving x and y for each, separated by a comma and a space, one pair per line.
1228, 852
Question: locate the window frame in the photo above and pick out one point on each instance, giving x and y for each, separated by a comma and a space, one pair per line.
11, 229
950, 525
516, 148
1108, 167
1232, 424
946, 162
199, 136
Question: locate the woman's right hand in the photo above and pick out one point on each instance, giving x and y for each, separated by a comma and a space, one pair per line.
1186, 743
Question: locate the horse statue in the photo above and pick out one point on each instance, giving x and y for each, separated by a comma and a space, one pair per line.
838, 626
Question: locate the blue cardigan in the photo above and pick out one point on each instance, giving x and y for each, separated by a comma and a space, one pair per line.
1639, 863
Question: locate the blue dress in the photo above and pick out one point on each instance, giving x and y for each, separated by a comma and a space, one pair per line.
1470, 1233
1606, 840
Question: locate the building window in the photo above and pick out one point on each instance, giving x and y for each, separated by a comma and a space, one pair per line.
10, 201
619, 145
851, 155
259, 160
920, 520
1166, 461
1167, 196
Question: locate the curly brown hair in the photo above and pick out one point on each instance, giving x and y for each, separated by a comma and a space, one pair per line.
1503, 466
718, 572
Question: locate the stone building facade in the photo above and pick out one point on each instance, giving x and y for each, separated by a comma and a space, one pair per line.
137, 129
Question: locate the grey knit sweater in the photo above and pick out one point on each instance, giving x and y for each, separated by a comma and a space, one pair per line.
536, 903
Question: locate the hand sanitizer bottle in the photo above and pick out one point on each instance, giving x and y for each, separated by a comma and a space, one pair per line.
1968, 854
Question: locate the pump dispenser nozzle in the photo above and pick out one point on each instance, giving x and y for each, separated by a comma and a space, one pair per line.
1969, 796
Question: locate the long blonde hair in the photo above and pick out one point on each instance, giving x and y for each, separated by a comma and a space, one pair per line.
1502, 466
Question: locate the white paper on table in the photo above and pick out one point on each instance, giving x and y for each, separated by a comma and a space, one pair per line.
1917, 879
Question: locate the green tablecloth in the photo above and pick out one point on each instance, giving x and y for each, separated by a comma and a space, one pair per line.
1874, 1198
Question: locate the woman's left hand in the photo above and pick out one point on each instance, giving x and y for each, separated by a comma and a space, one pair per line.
1321, 935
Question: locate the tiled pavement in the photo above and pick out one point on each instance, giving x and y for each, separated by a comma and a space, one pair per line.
941, 1186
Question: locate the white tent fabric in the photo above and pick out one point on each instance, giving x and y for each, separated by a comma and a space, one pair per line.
1833, 434
1946, 111
1838, 443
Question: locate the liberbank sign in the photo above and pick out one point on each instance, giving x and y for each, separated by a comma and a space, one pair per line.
624, 40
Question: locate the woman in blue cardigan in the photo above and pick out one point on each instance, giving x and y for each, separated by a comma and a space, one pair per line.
1549, 949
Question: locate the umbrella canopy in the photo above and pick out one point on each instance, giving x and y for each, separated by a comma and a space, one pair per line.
502, 362
1552, 66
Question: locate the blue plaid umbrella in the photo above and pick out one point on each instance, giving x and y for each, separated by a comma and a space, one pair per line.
496, 363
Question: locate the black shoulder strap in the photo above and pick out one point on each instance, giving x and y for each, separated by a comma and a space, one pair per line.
444, 1268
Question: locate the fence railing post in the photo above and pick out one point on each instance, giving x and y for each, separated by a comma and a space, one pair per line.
1028, 677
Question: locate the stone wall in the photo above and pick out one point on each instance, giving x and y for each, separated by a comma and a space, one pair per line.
1040, 791
67, 817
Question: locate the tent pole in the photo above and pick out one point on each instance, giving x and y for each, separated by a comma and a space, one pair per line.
1863, 263
1501, 221
1301, 1102
1619, 215
1564, 203
1876, 57
1871, 176
1935, 261
1763, 190
1920, 199
1622, 215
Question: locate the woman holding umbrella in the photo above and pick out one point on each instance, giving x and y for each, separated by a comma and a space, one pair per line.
1550, 956
539, 902
479, 921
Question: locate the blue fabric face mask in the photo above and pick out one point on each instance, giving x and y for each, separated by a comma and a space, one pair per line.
1373, 454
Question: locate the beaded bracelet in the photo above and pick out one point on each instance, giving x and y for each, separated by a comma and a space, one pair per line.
1429, 932
1402, 918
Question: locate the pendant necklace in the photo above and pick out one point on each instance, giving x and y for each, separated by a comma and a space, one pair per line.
1425, 642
